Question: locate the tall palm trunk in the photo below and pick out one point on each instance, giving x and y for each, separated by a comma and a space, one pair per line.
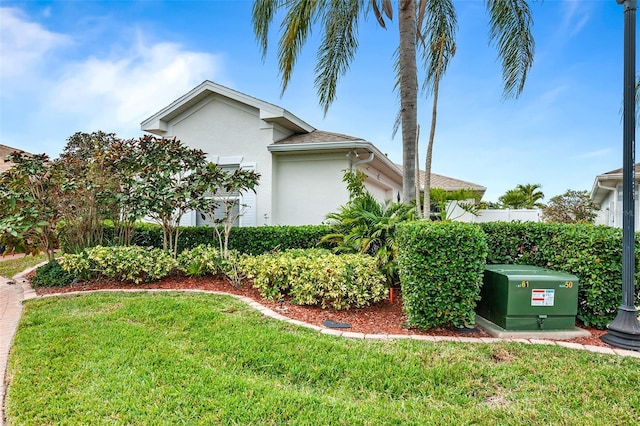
432, 134
408, 95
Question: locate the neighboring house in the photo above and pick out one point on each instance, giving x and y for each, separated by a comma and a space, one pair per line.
4, 151
451, 184
301, 167
607, 195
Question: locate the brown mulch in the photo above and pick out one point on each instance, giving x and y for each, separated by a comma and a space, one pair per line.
381, 318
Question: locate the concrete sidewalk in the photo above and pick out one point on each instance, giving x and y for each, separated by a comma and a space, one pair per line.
12, 293
10, 311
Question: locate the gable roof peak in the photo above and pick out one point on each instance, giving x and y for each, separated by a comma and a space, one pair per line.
270, 113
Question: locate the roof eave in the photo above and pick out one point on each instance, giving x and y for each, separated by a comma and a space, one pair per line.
337, 146
157, 123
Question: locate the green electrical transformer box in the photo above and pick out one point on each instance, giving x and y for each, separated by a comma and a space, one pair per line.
522, 297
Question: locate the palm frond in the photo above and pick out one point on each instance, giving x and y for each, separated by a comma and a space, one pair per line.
338, 47
378, 13
262, 16
510, 31
440, 26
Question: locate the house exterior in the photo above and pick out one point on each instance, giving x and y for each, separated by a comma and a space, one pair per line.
4, 151
301, 167
607, 195
450, 184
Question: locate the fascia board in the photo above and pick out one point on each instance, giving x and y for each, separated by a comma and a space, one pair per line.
328, 146
157, 123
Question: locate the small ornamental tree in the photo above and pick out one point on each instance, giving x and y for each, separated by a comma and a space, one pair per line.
29, 204
122, 161
571, 207
166, 185
222, 190
89, 190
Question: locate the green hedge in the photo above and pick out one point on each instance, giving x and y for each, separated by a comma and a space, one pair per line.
441, 266
135, 264
317, 277
248, 240
593, 253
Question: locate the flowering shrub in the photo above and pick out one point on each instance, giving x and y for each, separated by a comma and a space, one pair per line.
317, 277
133, 263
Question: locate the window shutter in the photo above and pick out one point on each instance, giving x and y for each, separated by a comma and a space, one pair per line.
248, 202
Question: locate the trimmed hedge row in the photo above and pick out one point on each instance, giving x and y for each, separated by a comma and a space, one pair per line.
593, 253
441, 266
317, 277
249, 240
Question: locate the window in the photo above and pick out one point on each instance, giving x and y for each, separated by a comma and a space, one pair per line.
225, 200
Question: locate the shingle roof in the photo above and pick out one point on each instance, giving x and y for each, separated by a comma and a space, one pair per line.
449, 183
619, 171
317, 136
4, 151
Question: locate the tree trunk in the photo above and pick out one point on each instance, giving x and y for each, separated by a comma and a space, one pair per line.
432, 134
408, 95
417, 173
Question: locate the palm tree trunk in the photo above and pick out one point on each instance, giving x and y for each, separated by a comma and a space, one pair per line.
432, 134
408, 95
417, 174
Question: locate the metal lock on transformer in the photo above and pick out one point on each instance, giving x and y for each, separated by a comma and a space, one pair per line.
522, 297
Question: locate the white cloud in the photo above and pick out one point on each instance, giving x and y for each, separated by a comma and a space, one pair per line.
23, 44
117, 93
595, 154
576, 15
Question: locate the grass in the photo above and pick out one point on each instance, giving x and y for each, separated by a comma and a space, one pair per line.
180, 358
9, 268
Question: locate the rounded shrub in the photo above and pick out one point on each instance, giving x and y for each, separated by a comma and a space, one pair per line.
441, 266
52, 275
132, 263
317, 277
200, 260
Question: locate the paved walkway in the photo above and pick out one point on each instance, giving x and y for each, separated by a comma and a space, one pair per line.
12, 296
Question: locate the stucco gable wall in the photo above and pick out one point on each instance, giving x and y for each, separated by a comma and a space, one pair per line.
230, 132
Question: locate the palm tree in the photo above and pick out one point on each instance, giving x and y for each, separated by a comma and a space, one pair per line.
525, 196
510, 30
532, 195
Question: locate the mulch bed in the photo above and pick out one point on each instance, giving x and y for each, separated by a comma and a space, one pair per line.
381, 318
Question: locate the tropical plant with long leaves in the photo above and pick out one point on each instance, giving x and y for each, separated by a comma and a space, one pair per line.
366, 226
523, 196
427, 26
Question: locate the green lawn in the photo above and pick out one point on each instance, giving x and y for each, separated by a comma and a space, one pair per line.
175, 358
9, 268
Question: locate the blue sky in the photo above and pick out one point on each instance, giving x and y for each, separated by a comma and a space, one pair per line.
68, 66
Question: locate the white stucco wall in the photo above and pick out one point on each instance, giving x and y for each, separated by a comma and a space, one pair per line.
379, 185
611, 209
232, 133
311, 187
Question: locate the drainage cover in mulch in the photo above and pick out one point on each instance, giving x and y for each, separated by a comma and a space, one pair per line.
335, 324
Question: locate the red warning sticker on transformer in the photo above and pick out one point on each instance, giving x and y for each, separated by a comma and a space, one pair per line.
542, 297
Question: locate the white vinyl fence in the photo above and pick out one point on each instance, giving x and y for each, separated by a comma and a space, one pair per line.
455, 212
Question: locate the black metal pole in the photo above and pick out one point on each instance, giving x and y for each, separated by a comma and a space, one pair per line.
624, 330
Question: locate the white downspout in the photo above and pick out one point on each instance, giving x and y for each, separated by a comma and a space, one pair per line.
365, 161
